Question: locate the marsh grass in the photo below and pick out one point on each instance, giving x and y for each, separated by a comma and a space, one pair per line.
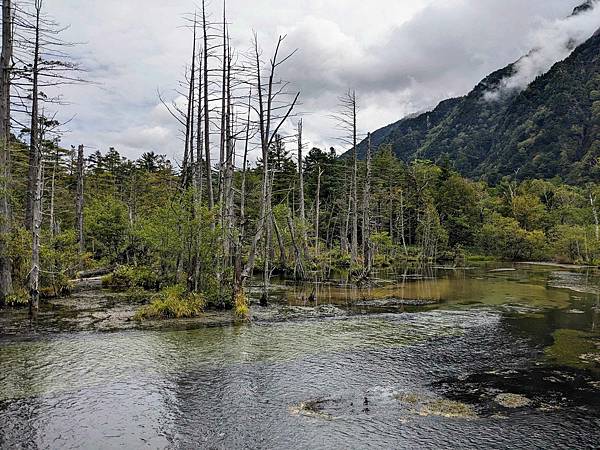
173, 303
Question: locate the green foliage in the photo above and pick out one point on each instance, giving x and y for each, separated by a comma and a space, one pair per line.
575, 244
106, 226
125, 277
503, 237
19, 298
173, 303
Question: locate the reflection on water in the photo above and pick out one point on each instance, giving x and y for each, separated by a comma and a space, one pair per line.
233, 387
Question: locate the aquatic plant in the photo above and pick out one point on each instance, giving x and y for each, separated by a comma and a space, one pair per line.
173, 303
241, 308
573, 348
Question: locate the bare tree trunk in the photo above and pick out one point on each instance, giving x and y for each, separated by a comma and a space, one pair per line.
209, 185
402, 221
344, 238
318, 210
53, 230
34, 144
595, 214
199, 136
298, 266
301, 190
6, 287
79, 201
366, 232
223, 144
189, 119
244, 167
354, 250
282, 252
34, 274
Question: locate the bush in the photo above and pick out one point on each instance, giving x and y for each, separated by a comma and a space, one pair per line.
173, 303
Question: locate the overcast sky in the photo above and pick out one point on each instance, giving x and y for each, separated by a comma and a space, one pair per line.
401, 56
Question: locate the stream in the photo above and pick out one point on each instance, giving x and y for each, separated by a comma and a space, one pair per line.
488, 357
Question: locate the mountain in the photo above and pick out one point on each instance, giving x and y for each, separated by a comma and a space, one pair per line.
551, 128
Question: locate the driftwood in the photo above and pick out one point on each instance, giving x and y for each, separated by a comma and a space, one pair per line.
94, 272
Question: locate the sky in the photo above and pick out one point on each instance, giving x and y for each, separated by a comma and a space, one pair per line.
401, 57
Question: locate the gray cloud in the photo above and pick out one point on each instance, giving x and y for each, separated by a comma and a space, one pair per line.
400, 56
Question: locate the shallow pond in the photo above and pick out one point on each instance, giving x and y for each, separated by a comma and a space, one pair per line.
493, 359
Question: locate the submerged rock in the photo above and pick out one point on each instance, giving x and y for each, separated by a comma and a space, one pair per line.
429, 406
512, 400
395, 302
311, 408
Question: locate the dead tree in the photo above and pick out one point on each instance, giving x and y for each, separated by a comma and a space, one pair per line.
346, 122
592, 198
223, 143
79, 201
318, 209
205, 69
269, 124
301, 189
34, 142
36, 226
366, 219
298, 266
6, 287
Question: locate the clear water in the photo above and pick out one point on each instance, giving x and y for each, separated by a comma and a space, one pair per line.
239, 387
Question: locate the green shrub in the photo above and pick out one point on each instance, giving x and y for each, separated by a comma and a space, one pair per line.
18, 298
173, 303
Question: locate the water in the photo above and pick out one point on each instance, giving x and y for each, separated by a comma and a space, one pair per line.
242, 386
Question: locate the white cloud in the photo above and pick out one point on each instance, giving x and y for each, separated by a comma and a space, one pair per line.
554, 41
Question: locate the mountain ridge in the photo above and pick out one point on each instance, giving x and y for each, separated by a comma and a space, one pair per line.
547, 129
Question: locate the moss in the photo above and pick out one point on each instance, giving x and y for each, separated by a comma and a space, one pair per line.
573, 348
173, 303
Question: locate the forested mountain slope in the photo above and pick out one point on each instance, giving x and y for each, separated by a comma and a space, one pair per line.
552, 128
